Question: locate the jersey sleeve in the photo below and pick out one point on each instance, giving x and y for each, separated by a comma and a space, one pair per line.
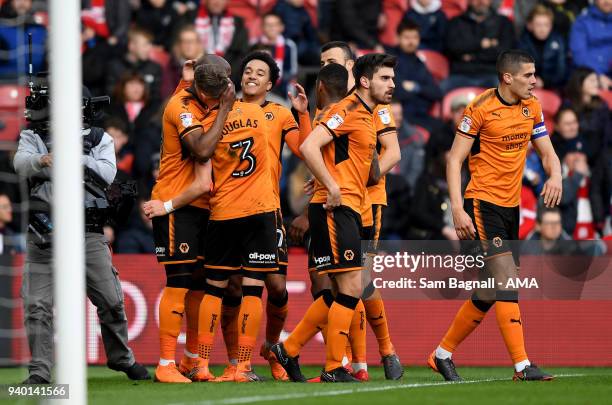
471, 122
539, 126
384, 121
291, 132
335, 121
179, 115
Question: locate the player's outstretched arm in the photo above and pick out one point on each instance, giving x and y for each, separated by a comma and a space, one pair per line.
552, 190
391, 154
311, 150
459, 151
300, 103
202, 184
202, 143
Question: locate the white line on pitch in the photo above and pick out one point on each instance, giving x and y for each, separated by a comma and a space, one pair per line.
300, 395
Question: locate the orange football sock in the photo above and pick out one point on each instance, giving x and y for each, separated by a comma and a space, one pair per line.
229, 325
249, 319
313, 321
338, 323
210, 312
357, 335
377, 318
276, 314
511, 327
466, 320
171, 311
192, 313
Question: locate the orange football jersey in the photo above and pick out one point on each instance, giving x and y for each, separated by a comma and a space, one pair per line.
501, 133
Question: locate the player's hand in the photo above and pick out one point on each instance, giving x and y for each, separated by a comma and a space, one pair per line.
300, 100
309, 187
226, 101
298, 228
464, 227
154, 208
334, 198
552, 191
188, 70
46, 160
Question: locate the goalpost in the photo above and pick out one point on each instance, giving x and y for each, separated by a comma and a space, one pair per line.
68, 195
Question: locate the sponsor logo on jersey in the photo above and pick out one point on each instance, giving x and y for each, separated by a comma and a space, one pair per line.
322, 260
466, 124
384, 115
186, 119
335, 121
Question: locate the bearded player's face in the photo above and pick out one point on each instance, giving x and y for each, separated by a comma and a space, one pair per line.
524, 81
382, 85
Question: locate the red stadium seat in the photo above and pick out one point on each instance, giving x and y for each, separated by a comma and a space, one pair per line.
10, 126
394, 11
550, 102
606, 95
469, 92
12, 97
453, 8
159, 55
436, 63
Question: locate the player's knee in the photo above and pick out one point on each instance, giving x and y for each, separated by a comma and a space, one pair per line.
215, 288
368, 291
234, 287
482, 303
276, 286
350, 283
179, 275
252, 290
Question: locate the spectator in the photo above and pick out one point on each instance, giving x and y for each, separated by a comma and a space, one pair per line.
111, 19
283, 50
123, 150
582, 93
431, 21
565, 13
10, 242
186, 46
416, 87
357, 22
548, 236
159, 17
95, 54
14, 40
251, 12
534, 174
473, 41
137, 59
576, 212
299, 28
547, 48
222, 33
412, 146
567, 136
591, 40
132, 104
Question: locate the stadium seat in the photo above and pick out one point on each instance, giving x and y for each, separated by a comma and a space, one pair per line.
436, 63
12, 97
550, 102
469, 92
10, 126
394, 10
606, 95
453, 8
159, 55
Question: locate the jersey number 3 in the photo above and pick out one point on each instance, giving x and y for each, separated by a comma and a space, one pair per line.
245, 156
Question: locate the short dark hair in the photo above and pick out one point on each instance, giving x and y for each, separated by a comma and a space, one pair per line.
511, 60
115, 122
335, 78
272, 14
545, 210
408, 25
266, 58
211, 79
368, 65
348, 53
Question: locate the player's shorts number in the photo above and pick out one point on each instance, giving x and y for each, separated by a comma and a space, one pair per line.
245, 156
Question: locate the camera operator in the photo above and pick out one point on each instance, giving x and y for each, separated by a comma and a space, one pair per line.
33, 160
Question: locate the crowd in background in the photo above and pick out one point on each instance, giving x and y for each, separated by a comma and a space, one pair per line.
134, 50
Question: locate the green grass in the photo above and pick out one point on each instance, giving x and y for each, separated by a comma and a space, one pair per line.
419, 385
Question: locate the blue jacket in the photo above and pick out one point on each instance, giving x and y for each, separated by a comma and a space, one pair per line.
550, 59
432, 27
299, 28
591, 40
418, 101
14, 40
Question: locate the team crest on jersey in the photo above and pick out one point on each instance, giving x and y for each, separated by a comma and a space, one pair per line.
269, 116
349, 255
186, 119
526, 112
466, 124
335, 121
385, 118
497, 241
184, 247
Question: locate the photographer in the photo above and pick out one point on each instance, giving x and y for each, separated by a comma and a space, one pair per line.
33, 160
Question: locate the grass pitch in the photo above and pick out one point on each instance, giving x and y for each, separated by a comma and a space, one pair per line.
419, 385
